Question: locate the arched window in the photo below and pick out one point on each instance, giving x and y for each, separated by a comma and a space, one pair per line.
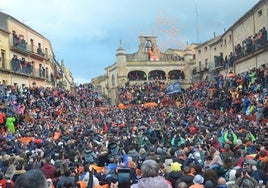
157, 75
137, 75
176, 74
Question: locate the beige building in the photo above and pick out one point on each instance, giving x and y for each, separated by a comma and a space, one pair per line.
67, 80
238, 49
145, 65
27, 57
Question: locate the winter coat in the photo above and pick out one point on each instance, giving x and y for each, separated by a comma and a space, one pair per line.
152, 182
62, 179
173, 176
16, 174
188, 179
10, 124
3, 183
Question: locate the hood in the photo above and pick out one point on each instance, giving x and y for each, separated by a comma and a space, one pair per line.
153, 182
47, 165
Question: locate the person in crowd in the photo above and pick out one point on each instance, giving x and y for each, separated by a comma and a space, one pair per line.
5, 183
198, 182
19, 170
245, 180
65, 176
150, 176
64, 125
221, 182
175, 173
187, 176
33, 178
48, 169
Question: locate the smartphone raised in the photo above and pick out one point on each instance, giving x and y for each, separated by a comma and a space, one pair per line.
123, 178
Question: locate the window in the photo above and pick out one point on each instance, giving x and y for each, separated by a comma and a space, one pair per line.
46, 73
199, 51
113, 80
32, 45
260, 13
225, 42
230, 37
206, 48
215, 49
46, 53
2, 59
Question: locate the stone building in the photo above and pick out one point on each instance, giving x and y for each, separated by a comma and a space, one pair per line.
27, 58
145, 65
241, 48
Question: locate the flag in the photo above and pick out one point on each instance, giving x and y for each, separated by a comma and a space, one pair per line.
173, 88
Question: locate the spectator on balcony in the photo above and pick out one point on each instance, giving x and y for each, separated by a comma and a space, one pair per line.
23, 65
15, 63
248, 44
15, 39
264, 36
29, 68
39, 51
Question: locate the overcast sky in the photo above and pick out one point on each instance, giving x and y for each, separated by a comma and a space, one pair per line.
87, 33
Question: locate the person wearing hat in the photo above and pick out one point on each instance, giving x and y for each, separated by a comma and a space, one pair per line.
198, 181
174, 174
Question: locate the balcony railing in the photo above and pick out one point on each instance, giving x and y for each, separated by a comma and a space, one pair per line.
23, 47
20, 46
25, 69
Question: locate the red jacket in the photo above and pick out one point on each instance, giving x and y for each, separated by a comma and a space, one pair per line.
3, 183
49, 170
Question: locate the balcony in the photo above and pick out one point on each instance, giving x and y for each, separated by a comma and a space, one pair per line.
38, 53
20, 46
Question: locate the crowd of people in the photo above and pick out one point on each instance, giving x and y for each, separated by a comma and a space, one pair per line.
213, 134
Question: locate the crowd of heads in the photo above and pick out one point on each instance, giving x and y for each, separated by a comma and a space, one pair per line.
212, 134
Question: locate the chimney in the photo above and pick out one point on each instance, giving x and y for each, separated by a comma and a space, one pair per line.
214, 34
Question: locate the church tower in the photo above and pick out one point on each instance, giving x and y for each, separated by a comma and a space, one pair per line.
121, 65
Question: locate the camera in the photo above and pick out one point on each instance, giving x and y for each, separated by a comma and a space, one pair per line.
244, 170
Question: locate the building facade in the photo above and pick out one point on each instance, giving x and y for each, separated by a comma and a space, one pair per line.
239, 49
27, 57
147, 64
